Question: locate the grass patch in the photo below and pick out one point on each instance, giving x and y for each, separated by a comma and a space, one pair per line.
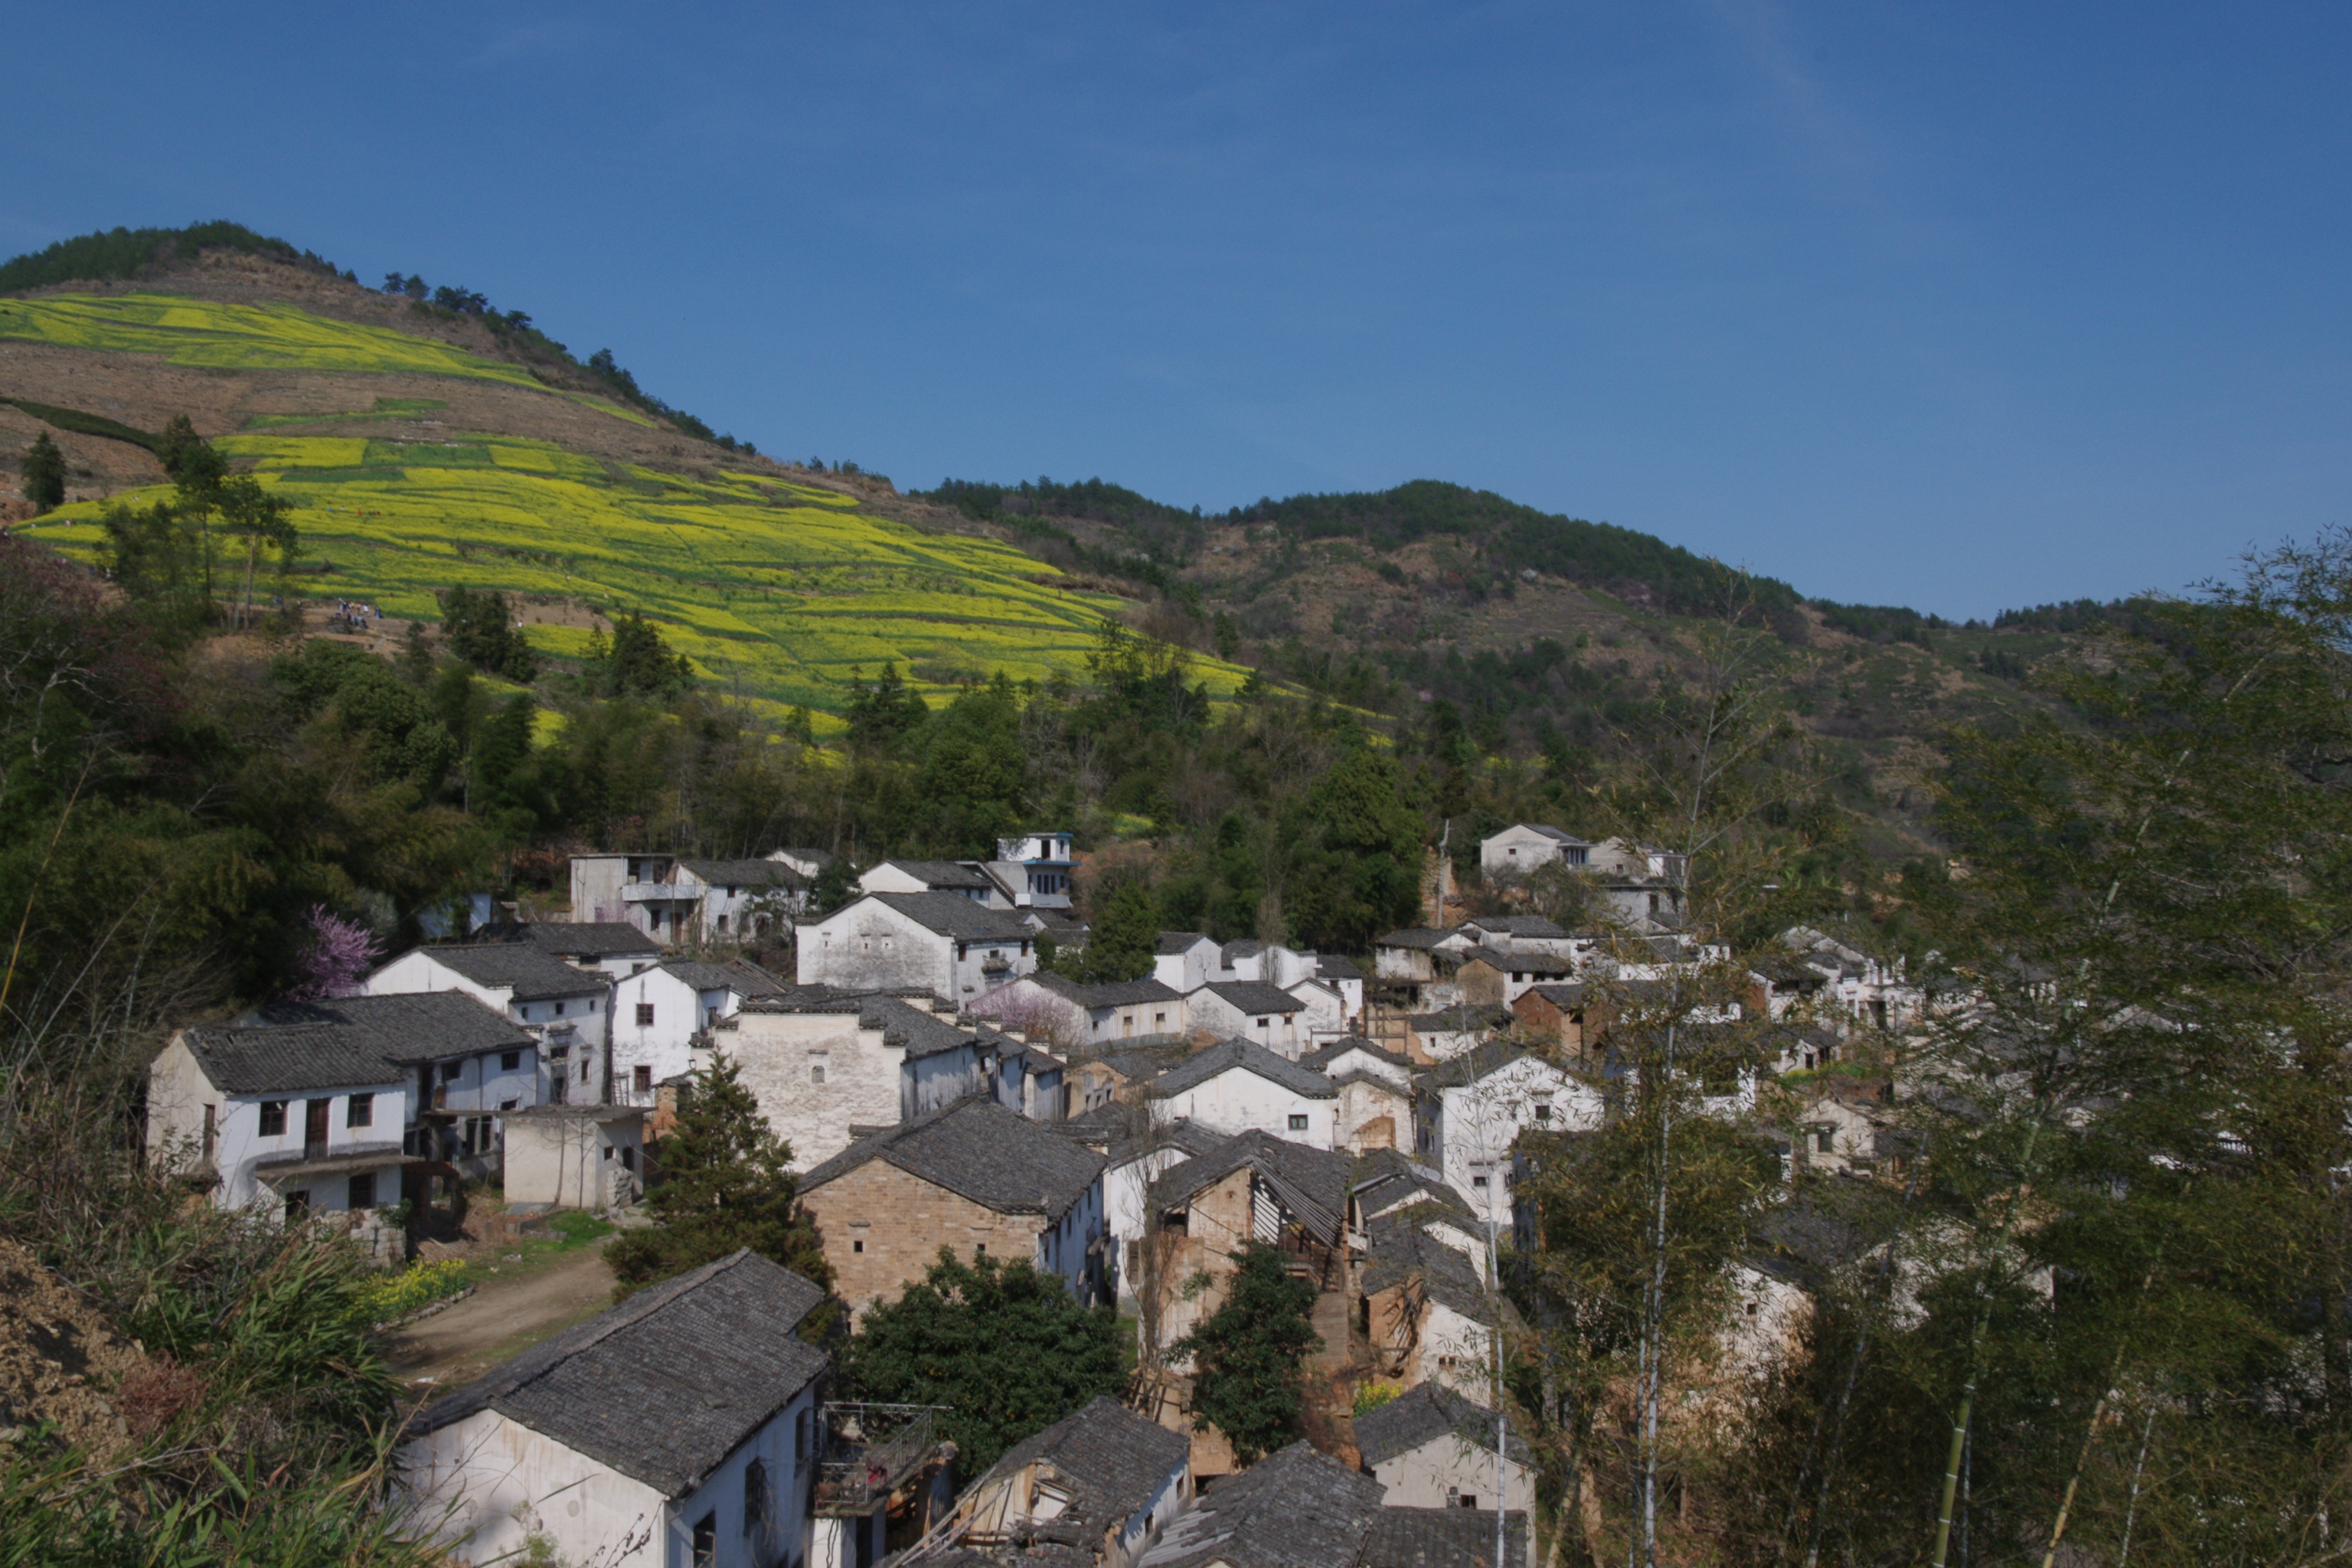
570, 1232
82, 423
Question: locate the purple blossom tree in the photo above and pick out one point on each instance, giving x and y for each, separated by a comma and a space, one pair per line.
336, 958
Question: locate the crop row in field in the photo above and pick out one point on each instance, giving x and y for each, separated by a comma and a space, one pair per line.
765, 585
237, 337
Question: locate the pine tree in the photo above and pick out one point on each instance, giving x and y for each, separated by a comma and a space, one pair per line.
1124, 939
45, 474
728, 1183
1248, 1355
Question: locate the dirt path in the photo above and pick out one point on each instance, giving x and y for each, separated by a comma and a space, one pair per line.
501, 1320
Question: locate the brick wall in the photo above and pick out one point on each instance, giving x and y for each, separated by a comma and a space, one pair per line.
882, 1228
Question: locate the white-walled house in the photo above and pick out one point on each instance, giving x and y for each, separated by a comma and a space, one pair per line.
1433, 1447
1255, 1011
1044, 1004
827, 1066
1524, 847
562, 1007
966, 878
1184, 960
678, 1429
658, 1011
1375, 1093
1037, 867
576, 1156
1469, 1111
939, 943
1238, 1085
319, 1106
1138, 1145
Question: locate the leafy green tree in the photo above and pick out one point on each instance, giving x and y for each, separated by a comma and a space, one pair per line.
728, 1183
974, 774
638, 662
263, 523
836, 884
1123, 939
1248, 1356
479, 627
881, 716
1008, 1349
45, 474
188, 458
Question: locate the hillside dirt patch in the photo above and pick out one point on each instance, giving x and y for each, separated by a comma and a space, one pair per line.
61, 1360
507, 1314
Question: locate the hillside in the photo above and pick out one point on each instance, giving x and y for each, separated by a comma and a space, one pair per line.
429, 446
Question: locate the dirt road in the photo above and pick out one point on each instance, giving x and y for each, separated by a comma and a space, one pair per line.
500, 1321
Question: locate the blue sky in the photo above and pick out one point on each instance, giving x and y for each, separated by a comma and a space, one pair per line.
1957, 306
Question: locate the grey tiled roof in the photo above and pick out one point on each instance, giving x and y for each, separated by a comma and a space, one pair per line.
939, 874
1321, 1061
954, 915
1479, 1061
1567, 996
1227, 1055
1411, 936
739, 975
1402, 1251
1331, 966
1557, 834
667, 1383
1113, 1459
1312, 1184
1386, 1180
1175, 942
1425, 1413
1252, 996
915, 1030
1517, 925
980, 1150
1295, 1508
1442, 1537
533, 973
351, 1041
582, 939
745, 873
1110, 993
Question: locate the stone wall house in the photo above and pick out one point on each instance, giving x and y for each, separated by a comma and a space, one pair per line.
975, 1178
1425, 1310
827, 1067
936, 942
576, 1156
1101, 1483
1138, 1148
1239, 1086
1554, 1017
660, 1010
566, 1009
679, 1426
1252, 1187
1431, 1447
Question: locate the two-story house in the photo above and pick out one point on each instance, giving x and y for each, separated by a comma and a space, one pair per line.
1252, 1010
678, 900
940, 943
1469, 1111
1035, 868
563, 1008
319, 1106
660, 1010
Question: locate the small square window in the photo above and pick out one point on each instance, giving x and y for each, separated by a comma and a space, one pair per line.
1298, 1124
1477, 1181
1543, 1113
273, 1118
1261, 1023
363, 1190
645, 1014
979, 1249
450, 1071
816, 1073
359, 1112
643, 1077
856, 1245
509, 1104
509, 1062
559, 1009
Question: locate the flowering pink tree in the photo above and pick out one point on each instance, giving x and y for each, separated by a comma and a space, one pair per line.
336, 958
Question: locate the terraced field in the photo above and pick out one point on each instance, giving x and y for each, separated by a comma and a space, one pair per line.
777, 590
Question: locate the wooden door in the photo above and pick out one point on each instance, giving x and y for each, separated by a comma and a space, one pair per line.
314, 1129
